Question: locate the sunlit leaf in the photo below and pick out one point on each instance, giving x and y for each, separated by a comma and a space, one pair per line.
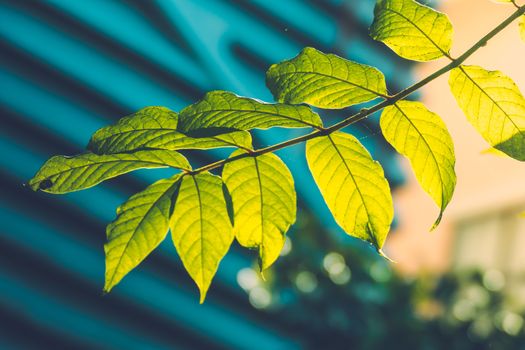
264, 203
201, 228
141, 225
222, 109
324, 80
421, 135
494, 106
62, 174
412, 30
156, 128
353, 186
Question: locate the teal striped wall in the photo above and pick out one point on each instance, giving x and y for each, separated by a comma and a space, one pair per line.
68, 67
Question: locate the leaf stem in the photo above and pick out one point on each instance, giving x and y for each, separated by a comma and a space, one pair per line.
365, 112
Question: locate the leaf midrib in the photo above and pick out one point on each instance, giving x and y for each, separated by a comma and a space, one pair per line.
108, 162
492, 100
141, 221
170, 130
419, 29
261, 201
372, 238
378, 94
431, 153
201, 236
253, 111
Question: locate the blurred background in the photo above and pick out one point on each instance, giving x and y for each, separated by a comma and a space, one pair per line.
69, 67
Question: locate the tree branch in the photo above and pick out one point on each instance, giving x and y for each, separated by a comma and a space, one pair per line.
364, 113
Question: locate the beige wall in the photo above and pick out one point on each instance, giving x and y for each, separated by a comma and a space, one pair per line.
485, 182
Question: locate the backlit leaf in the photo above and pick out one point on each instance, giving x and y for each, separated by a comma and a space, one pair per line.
421, 135
141, 225
222, 109
324, 80
494, 106
264, 203
411, 30
201, 228
353, 186
62, 174
156, 128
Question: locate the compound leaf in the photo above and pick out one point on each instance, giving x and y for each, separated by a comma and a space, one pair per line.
264, 203
353, 186
324, 80
222, 109
421, 135
156, 128
494, 105
411, 30
62, 174
141, 225
201, 228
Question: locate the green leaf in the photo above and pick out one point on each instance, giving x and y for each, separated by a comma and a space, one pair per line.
141, 225
413, 31
324, 80
494, 105
156, 128
264, 203
62, 174
421, 135
201, 228
353, 186
221, 109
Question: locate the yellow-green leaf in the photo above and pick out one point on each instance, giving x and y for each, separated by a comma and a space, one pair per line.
62, 174
494, 105
421, 135
141, 225
222, 109
156, 128
264, 203
324, 80
412, 30
201, 228
353, 186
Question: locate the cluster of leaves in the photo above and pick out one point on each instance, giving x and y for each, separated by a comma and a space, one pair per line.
255, 201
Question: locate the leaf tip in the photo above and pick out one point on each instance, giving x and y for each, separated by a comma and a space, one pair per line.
437, 222
383, 255
202, 296
107, 288
263, 276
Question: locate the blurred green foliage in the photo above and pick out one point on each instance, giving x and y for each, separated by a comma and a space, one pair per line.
334, 295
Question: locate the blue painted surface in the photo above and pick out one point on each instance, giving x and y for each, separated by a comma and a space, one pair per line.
69, 67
